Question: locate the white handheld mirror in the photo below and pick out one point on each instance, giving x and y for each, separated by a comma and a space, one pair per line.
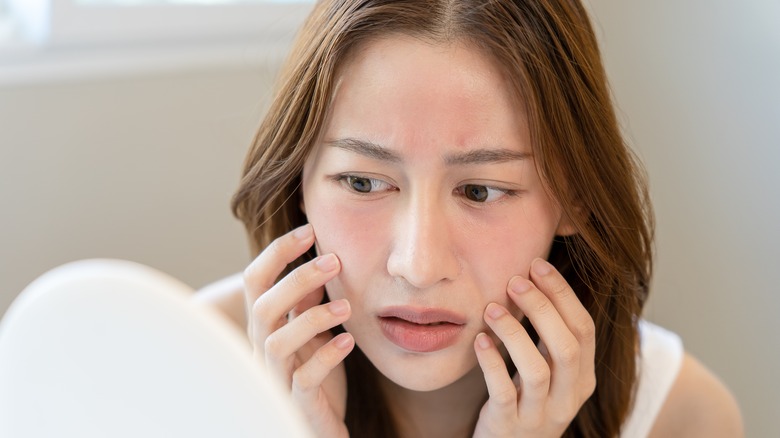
102, 348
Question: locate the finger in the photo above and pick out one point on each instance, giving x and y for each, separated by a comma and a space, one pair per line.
562, 347
501, 389
307, 302
532, 370
264, 270
270, 310
281, 346
548, 280
580, 323
308, 378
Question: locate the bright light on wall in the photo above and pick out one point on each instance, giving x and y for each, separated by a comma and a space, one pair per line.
87, 23
190, 2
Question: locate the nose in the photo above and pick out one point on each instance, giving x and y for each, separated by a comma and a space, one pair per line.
423, 251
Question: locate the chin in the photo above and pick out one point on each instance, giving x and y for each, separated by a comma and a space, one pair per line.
423, 382
424, 372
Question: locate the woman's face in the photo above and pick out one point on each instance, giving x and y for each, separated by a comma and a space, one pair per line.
424, 185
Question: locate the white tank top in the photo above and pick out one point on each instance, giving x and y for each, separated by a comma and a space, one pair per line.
660, 359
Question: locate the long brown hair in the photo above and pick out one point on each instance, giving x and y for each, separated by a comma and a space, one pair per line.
550, 55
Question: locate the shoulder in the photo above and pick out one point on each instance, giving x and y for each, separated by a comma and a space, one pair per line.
698, 404
226, 296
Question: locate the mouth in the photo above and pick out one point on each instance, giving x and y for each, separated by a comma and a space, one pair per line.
423, 316
421, 330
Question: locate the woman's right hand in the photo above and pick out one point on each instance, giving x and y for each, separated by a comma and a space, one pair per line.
290, 330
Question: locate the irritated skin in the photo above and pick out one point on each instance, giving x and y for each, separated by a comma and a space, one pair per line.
424, 202
406, 120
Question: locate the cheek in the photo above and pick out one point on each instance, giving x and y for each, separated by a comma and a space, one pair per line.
507, 247
342, 233
353, 237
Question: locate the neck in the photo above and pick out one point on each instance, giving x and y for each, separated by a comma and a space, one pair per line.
447, 412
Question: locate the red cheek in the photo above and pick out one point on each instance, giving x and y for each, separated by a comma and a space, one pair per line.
349, 234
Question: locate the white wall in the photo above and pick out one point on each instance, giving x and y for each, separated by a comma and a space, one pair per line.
698, 85
141, 166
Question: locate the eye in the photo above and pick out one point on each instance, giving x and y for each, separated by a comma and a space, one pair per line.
482, 194
362, 184
475, 193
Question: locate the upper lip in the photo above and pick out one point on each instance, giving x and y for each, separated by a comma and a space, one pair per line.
422, 315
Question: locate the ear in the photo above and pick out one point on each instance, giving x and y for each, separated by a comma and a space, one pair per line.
566, 225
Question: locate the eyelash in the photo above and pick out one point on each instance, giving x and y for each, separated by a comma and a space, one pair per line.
344, 180
461, 190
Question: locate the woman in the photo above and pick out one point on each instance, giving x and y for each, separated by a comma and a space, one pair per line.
453, 237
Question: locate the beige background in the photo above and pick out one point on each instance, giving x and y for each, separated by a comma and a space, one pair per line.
141, 164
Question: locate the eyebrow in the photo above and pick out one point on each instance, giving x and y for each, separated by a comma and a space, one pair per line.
485, 156
365, 148
477, 156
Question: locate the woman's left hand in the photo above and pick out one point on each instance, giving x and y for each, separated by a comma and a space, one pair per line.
553, 380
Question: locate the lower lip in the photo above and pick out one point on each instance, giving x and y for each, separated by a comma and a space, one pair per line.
417, 337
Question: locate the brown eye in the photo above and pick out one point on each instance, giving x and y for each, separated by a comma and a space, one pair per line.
362, 185
475, 192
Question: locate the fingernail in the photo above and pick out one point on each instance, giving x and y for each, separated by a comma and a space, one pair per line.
343, 340
541, 267
484, 341
327, 262
495, 311
519, 285
339, 307
302, 232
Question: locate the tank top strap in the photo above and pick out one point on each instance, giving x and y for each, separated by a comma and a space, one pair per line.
660, 358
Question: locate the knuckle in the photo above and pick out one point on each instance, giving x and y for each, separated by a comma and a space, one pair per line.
325, 356
275, 248
260, 310
569, 355
586, 330
298, 278
516, 334
495, 366
543, 306
251, 280
560, 288
305, 378
248, 272
313, 317
506, 397
538, 378
302, 380
272, 345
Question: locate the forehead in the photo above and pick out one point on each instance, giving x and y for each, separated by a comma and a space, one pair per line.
394, 54
401, 86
